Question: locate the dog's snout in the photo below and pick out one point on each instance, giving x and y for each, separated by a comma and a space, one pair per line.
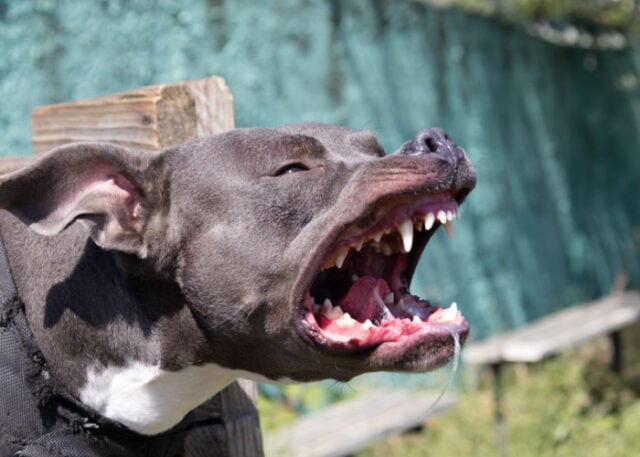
433, 141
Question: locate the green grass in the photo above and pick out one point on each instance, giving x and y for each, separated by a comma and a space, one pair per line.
569, 406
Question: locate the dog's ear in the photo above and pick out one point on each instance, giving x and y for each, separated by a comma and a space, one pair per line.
100, 185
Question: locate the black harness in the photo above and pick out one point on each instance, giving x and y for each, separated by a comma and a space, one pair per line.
40, 418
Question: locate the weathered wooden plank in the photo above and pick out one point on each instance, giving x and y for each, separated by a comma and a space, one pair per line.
349, 426
148, 118
558, 331
152, 118
8, 164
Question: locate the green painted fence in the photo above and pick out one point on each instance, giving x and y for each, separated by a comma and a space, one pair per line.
553, 131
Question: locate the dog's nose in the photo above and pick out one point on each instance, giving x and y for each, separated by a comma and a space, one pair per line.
433, 141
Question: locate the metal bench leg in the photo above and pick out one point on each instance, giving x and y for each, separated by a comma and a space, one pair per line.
496, 369
616, 356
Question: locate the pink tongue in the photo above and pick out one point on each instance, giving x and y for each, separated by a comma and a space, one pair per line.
365, 299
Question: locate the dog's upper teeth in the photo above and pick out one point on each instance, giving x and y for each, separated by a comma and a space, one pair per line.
406, 232
389, 299
442, 217
449, 228
367, 324
449, 215
429, 220
378, 236
340, 256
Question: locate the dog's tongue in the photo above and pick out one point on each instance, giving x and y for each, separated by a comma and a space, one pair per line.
365, 300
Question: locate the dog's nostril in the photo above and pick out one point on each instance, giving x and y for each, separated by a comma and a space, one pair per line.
432, 146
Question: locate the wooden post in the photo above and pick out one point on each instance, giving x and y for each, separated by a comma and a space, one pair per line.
151, 118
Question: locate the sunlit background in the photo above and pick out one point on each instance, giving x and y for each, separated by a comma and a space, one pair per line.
544, 96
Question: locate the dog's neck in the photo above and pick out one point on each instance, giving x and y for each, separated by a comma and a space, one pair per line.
149, 392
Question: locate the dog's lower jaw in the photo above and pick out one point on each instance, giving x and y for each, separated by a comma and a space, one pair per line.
150, 400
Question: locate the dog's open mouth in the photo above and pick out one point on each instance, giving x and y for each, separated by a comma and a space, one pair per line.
360, 297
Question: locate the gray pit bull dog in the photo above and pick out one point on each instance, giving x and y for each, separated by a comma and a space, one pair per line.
150, 281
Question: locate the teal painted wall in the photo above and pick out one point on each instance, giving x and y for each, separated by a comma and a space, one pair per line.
553, 131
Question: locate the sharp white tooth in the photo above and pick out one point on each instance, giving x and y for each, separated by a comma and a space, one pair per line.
406, 232
326, 308
340, 256
450, 314
416, 319
442, 217
377, 237
429, 220
449, 228
358, 245
336, 313
401, 304
389, 299
449, 215
367, 324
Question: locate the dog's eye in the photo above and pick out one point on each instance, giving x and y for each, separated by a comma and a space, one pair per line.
291, 168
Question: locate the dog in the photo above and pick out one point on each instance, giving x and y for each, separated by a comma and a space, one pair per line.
146, 282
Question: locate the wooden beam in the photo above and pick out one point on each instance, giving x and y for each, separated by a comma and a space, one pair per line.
151, 118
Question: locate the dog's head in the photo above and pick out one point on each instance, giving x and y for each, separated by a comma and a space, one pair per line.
293, 247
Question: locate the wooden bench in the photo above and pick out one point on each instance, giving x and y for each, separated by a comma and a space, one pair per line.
558, 331
346, 427
552, 334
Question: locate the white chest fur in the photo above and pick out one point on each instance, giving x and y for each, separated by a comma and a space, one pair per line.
150, 400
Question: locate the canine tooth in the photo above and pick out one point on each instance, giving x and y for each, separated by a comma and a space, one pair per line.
450, 314
449, 228
429, 220
406, 232
442, 217
340, 256
389, 299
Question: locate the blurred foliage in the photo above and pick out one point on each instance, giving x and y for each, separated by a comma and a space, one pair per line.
618, 14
